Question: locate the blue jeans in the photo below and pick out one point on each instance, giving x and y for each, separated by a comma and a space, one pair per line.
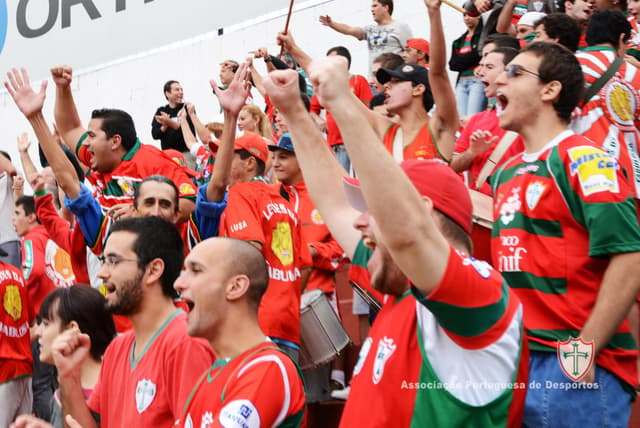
342, 156
470, 96
554, 401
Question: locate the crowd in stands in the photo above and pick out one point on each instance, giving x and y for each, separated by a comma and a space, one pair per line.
158, 287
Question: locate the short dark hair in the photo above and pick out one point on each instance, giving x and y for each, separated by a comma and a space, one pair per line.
158, 179
167, 87
117, 122
245, 259
5, 154
28, 204
606, 26
507, 54
560, 64
562, 27
156, 239
427, 96
502, 40
245, 154
389, 60
388, 3
454, 233
342, 51
85, 306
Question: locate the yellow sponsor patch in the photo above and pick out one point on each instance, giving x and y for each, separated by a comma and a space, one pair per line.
187, 189
282, 243
12, 302
596, 170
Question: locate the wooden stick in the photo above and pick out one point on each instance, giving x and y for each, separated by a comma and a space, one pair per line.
450, 3
286, 25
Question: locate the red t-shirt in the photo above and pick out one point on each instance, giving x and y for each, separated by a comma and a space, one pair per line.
256, 212
259, 388
424, 146
360, 87
149, 391
15, 345
329, 254
486, 121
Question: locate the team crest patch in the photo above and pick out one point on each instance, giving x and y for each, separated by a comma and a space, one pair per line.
386, 348
596, 170
12, 303
145, 393
362, 356
483, 268
187, 189
575, 357
533, 194
239, 414
620, 102
407, 69
316, 218
510, 207
127, 187
282, 244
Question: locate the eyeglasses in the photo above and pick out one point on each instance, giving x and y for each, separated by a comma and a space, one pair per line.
515, 70
113, 261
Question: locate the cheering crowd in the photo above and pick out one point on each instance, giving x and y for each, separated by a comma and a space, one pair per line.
162, 287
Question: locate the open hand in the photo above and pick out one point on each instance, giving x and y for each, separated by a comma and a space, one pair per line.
28, 101
232, 98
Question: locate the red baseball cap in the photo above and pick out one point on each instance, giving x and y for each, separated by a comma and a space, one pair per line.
433, 179
419, 44
249, 141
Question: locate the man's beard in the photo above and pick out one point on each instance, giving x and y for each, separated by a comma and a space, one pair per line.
128, 297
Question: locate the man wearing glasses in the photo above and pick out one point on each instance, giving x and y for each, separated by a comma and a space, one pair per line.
566, 238
147, 373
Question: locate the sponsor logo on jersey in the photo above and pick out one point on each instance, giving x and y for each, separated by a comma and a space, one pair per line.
126, 186
58, 265
362, 356
533, 194
510, 207
236, 227
620, 102
27, 262
511, 254
386, 348
316, 218
575, 357
145, 393
596, 170
282, 243
187, 189
207, 419
239, 414
12, 302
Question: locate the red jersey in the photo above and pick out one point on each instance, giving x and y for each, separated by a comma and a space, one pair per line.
143, 160
256, 212
559, 215
612, 116
15, 344
329, 255
361, 89
232, 392
486, 121
149, 391
424, 146
452, 358
45, 266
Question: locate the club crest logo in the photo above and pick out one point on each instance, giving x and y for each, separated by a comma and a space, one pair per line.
145, 393
4, 23
12, 302
386, 348
575, 357
533, 194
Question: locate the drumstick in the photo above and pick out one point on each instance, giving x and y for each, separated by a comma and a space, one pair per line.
286, 25
450, 3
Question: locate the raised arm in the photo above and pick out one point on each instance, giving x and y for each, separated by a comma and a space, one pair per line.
446, 113
322, 172
349, 30
415, 243
30, 104
202, 131
66, 114
504, 24
377, 121
28, 167
187, 135
231, 100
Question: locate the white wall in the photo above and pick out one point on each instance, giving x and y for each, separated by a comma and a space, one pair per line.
135, 84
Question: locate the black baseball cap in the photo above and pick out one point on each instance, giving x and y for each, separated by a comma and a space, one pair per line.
3, 253
407, 72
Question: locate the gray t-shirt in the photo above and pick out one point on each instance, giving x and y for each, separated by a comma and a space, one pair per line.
7, 232
386, 38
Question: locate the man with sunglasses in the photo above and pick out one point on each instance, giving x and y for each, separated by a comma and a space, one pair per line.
566, 238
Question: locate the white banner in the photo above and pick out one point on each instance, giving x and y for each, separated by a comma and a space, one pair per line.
37, 34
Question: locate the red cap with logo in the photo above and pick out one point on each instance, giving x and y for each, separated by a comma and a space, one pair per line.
432, 179
249, 141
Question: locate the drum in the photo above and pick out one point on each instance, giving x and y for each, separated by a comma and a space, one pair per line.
322, 336
482, 225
